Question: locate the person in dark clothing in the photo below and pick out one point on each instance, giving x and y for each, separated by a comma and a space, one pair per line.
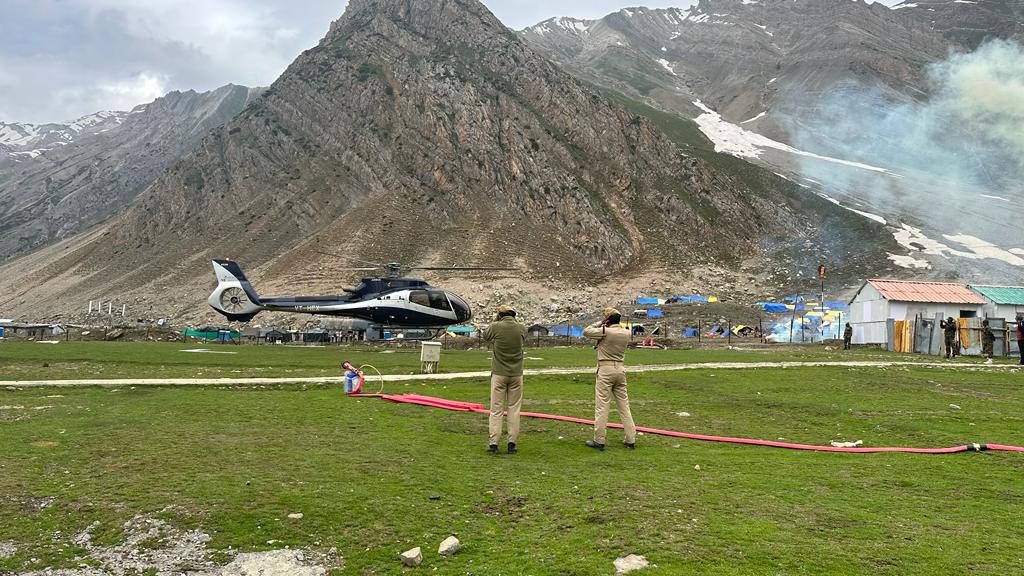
1020, 338
847, 336
950, 328
988, 339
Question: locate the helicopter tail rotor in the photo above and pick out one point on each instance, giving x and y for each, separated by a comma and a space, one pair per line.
233, 297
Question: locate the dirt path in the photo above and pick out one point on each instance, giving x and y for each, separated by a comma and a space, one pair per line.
482, 375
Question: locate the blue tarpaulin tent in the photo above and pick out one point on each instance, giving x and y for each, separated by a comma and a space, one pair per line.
646, 300
573, 331
690, 333
655, 313
694, 298
775, 308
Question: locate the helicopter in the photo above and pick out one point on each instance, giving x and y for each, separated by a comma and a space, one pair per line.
390, 300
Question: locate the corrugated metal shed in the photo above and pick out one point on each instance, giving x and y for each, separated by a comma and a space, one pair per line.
940, 292
1011, 295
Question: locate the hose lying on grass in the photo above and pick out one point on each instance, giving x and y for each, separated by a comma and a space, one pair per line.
479, 408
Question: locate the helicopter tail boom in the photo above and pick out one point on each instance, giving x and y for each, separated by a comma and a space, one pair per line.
233, 297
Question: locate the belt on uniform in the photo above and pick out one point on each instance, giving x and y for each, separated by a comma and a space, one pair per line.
610, 363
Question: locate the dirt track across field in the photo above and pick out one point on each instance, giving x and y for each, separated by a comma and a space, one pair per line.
458, 375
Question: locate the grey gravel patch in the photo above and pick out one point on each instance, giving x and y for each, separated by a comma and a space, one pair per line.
271, 563
153, 544
7, 550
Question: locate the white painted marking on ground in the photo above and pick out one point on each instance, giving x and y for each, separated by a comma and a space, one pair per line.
484, 375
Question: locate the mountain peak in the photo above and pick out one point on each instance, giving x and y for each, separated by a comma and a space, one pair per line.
432, 19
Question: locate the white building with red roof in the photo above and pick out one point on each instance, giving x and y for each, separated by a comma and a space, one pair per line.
879, 301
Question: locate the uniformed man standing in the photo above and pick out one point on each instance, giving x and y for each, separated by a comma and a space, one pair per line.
506, 336
949, 329
847, 336
988, 340
611, 377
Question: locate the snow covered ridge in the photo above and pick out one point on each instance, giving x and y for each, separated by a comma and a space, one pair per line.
560, 22
24, 140
732, 139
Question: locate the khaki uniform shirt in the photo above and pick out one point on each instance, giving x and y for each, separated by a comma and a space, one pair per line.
611, 343
507, 337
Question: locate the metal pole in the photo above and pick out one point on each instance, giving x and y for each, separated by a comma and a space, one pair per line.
699, 330
792, 320
730, 333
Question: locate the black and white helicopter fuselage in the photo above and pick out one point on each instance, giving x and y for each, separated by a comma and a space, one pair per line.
398, 302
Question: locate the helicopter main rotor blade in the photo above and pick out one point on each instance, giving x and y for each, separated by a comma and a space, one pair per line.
458, 268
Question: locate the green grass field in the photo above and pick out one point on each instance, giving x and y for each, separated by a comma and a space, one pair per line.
235, 461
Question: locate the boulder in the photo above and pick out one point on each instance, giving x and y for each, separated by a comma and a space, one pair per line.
449, 546
630, 563
412, 558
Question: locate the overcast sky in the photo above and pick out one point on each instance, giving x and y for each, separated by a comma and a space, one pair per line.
61, 59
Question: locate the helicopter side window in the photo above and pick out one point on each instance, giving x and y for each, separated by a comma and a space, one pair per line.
419, 297
439, 301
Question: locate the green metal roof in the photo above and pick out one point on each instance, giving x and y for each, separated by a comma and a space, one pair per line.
1002, 294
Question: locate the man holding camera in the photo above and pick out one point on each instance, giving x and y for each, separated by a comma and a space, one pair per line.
611, 377
506, 336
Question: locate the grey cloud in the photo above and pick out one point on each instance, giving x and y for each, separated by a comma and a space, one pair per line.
60, 59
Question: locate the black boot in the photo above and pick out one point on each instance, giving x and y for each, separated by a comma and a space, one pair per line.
493, 448
630, 445
595, 445
512, 448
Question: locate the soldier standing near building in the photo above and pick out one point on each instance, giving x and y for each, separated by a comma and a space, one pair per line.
988, 339
1020, 338
847, 336
507, 336
949, 329
611, 377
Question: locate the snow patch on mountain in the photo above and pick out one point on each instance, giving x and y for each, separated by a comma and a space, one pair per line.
732, 139
974, 248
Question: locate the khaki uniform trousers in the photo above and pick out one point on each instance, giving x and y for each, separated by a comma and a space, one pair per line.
506, 394
611, 383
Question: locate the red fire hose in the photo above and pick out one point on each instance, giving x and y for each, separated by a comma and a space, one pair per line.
459, 405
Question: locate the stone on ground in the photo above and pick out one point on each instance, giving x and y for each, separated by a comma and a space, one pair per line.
449, 546
630, 563
295, 516
412, 557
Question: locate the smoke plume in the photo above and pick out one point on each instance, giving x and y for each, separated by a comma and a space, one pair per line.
959, 152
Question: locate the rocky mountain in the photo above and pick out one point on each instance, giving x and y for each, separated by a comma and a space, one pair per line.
969, 23
425, 131
885, 111
61, 179
763, 62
